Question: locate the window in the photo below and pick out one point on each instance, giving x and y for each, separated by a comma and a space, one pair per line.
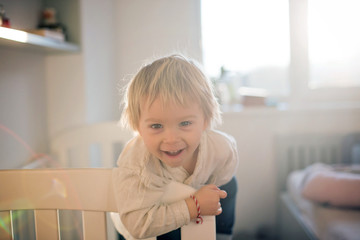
249, 41
334, 43
287, 47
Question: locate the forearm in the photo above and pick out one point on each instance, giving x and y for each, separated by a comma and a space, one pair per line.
156, 220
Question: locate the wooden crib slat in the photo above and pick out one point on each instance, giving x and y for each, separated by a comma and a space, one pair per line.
47, 224
6, 226
94, 225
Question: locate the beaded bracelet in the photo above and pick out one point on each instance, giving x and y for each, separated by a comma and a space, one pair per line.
199, 218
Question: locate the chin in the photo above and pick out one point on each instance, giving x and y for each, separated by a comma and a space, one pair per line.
174, 165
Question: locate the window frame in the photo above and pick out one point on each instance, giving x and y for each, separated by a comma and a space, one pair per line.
299, 68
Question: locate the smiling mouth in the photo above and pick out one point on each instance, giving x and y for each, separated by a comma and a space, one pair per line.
173, 153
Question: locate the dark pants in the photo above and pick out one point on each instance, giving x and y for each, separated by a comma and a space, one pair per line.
224, 222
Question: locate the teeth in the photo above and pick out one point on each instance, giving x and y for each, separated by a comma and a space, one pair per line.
173, 152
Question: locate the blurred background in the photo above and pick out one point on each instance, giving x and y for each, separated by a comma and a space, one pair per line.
280, 68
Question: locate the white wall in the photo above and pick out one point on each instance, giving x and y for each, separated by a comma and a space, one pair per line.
22, 107
23, 123
148, 29
66, 92
99, 53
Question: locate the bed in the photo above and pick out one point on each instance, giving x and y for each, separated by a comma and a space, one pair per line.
316, 200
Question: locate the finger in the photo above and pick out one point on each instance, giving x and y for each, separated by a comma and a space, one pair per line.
219, 211
222, 194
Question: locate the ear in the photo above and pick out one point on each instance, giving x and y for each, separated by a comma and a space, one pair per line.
138, 130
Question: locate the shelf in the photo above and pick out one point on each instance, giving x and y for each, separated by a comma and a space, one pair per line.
17, 38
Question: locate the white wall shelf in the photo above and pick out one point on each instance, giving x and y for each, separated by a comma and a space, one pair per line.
21, 39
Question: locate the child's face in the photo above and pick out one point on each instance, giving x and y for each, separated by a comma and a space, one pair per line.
172, 132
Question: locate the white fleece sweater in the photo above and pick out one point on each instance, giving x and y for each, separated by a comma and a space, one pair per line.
141, 179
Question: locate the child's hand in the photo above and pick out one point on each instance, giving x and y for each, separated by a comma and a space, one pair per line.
209, 200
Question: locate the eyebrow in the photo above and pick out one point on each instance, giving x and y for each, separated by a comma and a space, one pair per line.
180, 119
152, 120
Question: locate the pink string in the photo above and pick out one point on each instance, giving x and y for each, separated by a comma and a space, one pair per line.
199, 218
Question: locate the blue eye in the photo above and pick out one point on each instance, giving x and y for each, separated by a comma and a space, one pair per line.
156, 126
185, 123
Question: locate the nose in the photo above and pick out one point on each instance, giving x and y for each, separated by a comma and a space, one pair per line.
171, 136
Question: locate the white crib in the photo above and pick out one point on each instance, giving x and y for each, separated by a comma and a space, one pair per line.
84, 156
95, 145
47, 191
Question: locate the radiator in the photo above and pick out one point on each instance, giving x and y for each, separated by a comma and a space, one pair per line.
295, 152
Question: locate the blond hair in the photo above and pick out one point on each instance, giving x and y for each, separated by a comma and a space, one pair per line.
172, 79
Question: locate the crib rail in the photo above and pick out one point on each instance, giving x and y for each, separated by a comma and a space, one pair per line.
48, 190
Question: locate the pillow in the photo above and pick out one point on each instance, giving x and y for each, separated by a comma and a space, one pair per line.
336, 188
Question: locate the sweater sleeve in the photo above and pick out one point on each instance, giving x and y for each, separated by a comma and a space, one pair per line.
140, 209
226, 158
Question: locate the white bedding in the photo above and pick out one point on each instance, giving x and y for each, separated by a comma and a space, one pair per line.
326, 222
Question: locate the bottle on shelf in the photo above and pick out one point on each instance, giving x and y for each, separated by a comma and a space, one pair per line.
4, 21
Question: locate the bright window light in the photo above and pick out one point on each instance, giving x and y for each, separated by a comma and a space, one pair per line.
334, 43
249, 38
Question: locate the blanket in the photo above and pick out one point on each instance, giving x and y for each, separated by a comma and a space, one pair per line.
334, 185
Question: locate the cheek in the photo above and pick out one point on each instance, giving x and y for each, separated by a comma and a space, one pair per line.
196, 137
150, 141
